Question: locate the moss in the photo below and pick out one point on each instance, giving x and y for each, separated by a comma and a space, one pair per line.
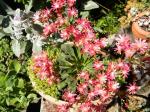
42, 85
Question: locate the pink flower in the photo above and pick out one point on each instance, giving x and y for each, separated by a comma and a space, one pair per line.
123, 43
125, 70
140, 45
84, 75
62, 108
129, 52
96, 48
68, 96
60, 21
49, 29
71, 2
82, 88
72, 12
132, 88
89, 48
36, 16
92, 81
90, 35
85, 107
120, 64
42, 15
105, 98
119, 49
57, 4
123, 39
99, 91
103, 42
98, 65
111, 75
91, 95
46, 13
102, 78
65, 34
83, 23
111, 66
113, 86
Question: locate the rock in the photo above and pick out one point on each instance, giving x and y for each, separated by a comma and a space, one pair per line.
135, 103
114, 108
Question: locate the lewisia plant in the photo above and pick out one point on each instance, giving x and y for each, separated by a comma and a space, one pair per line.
81, 69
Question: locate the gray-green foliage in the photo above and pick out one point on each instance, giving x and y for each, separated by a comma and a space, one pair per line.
91, 5
15, 90
20, 29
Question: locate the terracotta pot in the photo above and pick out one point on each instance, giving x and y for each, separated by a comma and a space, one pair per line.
137, 31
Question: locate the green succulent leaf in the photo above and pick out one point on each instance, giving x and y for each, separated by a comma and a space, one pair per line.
61, 85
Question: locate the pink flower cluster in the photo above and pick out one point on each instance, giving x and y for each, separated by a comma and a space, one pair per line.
55, 19
43, 68
69, 26
94, 47
125, 45
94, 92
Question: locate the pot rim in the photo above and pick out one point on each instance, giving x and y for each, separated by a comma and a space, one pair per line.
140, 14
48, 97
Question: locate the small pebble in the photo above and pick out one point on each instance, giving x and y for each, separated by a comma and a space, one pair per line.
146, 23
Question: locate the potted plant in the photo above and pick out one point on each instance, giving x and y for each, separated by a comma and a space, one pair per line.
141, 25
136, 18
76, 70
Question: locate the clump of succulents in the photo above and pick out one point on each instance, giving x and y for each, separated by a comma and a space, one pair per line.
78, 67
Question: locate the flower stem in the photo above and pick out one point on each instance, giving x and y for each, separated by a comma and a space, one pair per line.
103, 6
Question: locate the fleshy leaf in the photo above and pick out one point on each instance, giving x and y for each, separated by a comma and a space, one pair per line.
16, 47
84, 14
37, 46
91, 5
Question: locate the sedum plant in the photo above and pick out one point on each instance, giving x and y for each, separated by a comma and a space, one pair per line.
77, 66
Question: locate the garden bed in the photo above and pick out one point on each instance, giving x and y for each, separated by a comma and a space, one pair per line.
72, 56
